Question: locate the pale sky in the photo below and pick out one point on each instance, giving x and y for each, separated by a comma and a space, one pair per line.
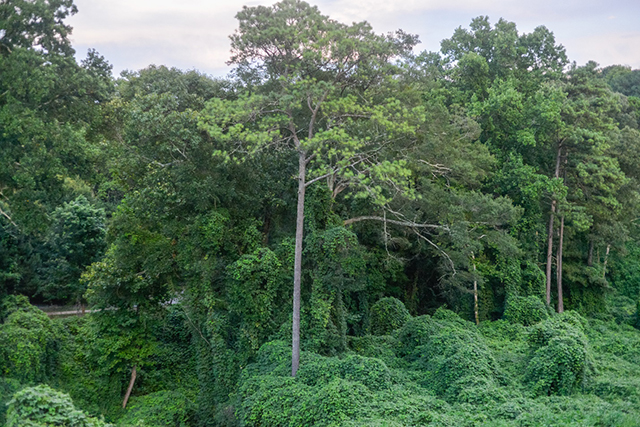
194, 34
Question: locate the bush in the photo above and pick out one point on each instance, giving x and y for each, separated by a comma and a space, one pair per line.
162, 408
8, 388
27, 344
42, 406
414, 333
316, 370
381, 347
387, 315
526, 311
371, 372
268, 400
560, 359
451, 354
455, 360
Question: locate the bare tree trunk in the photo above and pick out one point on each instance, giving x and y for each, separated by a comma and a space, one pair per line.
131, 382
550, 250
297, 267
590, 256
559, 272
475, 290
606, 257
550, 230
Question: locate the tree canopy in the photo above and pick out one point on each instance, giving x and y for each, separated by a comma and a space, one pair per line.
342, 231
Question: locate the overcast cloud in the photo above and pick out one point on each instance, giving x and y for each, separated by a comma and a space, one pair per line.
193, 34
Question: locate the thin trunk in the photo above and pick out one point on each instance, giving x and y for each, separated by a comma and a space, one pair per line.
559, 272
590, 256
297, 267
550, 250
133, 380
475, 291
606, 257
550, 230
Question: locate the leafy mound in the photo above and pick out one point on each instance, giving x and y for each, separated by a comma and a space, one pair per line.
387, 315
526, 311
451, 355
561, 358
42, 406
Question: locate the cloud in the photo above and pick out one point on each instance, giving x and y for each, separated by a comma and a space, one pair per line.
607, 49
194, 33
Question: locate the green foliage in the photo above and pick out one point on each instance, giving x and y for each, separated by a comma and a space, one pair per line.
8, 387
326, 390
28, 342
77, 239
159, 409
455, 360
561, 358
382, 347
43, 406
387, 315
526, 311
437, 173
256, 294
413, 334
338, 270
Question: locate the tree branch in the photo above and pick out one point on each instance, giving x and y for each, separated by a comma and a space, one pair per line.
6, 215
393, 221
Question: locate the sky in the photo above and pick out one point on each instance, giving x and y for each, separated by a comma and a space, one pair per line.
194, 34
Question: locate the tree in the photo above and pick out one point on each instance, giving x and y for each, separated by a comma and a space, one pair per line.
50, 125
76, 240
512, 84
315, 87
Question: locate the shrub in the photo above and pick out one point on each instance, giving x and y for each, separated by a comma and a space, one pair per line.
454, 360
382, 347
451, 354
371, 372
560, 359
336, 402
27, 344
318, 370
268, 400
413, 334
526, 311
387, 315
162, 408
43, 406
8, 388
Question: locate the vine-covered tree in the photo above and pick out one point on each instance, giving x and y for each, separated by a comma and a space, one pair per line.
317, 88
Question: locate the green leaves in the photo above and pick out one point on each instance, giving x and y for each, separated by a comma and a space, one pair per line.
43, 406
38, 24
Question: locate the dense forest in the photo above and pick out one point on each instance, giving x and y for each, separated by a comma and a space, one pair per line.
342, 232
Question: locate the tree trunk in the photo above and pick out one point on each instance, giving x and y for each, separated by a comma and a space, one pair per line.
590, 256
550, 230
559, 272
606, 257
297, 266
475, 291
550, 250
133, 380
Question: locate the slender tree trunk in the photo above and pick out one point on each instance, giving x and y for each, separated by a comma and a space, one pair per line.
475, 291
297, 266
131, 382
559, 272
550, 250
550, 230
590, 256
606, 257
